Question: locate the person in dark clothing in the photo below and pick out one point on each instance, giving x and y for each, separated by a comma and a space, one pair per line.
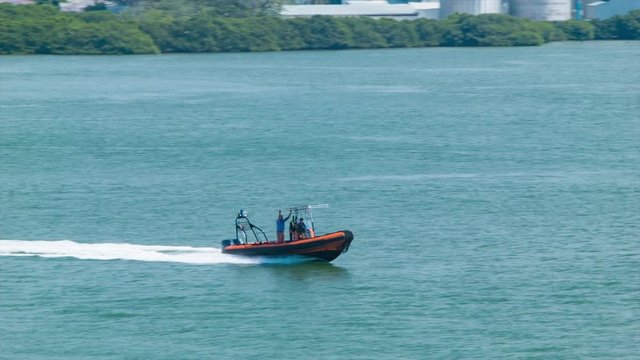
293, 235
301, 228
280, 221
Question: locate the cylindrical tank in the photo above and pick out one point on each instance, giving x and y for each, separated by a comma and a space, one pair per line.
549, 10
474, 7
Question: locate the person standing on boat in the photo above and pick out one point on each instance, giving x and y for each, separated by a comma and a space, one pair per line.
302, 229
280, 221
293, 235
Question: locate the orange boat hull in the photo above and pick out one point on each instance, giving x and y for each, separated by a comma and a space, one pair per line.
325, 247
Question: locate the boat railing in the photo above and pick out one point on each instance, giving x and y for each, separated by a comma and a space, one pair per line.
243, 225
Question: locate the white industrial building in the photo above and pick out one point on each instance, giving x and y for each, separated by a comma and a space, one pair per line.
605, 9
375, 9
18, 2
547, 10
77, 5
66, 5
473, 7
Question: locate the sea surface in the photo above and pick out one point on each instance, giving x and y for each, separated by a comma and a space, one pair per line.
494, 194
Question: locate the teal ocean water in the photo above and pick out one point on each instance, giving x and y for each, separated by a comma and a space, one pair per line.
494, 195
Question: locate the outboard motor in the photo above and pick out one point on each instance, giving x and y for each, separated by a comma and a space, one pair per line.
230, 242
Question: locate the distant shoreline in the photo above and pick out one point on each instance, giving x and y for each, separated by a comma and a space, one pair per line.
43, 29
314, 50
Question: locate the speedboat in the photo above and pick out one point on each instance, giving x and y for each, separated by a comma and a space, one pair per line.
305, 243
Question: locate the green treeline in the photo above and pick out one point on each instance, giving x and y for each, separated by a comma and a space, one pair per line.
43, 29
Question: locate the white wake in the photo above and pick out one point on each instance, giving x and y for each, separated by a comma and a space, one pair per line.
114, 251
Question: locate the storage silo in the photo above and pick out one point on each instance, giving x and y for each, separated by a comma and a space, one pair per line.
474, 7
549, 10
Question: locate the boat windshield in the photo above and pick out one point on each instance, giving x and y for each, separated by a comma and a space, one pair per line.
305, 212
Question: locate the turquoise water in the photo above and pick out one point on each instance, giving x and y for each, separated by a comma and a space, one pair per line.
493, 194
